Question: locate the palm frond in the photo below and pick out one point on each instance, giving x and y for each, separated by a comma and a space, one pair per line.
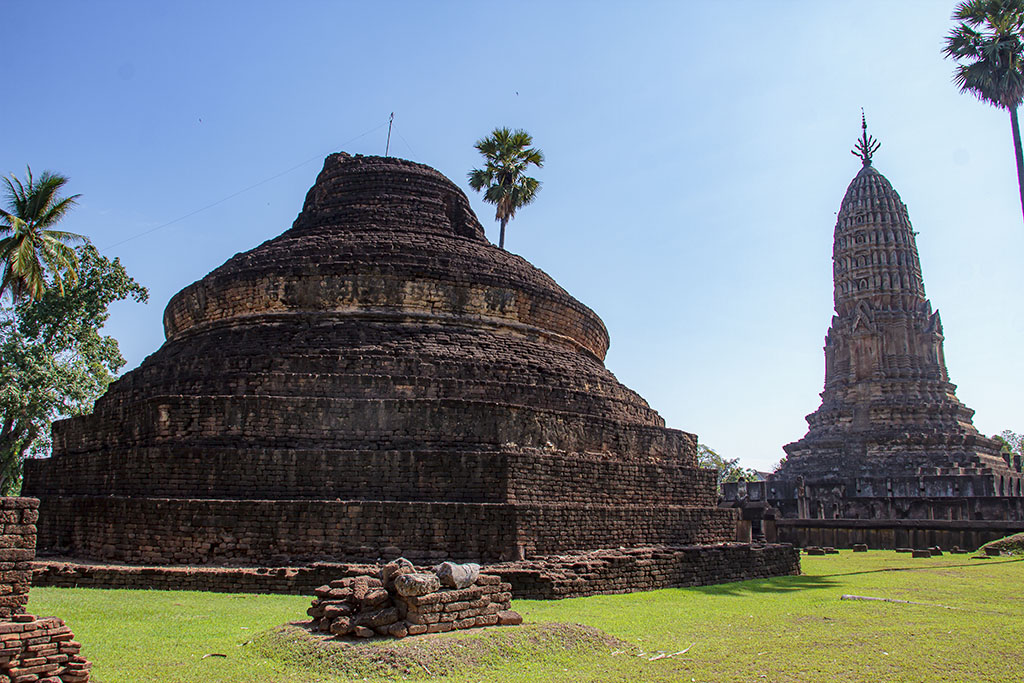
988, 45
33, 252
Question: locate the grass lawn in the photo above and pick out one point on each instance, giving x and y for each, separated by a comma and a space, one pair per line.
792, 628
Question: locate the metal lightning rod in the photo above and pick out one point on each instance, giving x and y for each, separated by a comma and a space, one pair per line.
388, 145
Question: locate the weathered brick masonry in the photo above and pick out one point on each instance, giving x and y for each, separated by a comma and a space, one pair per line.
890, 440
180, 531
31, 649
377, 379
621, 570
18, 518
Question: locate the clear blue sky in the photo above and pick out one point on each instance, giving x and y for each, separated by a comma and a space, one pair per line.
696, 156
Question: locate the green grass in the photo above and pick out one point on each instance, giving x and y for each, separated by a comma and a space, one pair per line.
786, 629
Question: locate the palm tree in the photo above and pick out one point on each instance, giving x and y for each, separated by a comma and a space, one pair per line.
988, 43
508, 155
30, 249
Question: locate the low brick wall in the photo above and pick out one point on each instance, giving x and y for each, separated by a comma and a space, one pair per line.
63, 573
893, 533
626, 570
562, 576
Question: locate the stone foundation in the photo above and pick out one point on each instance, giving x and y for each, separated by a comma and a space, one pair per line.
562, 576
888, 534
626, 570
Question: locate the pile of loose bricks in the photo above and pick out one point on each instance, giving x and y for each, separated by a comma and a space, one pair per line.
41, 649
403, 601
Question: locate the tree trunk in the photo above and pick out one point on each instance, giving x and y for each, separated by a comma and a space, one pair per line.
504, 221
1020, 156
15, 440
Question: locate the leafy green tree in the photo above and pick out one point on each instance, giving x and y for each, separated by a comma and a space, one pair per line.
32, 252
1012, 442
54, 359
988, 45
508, 155
728, 470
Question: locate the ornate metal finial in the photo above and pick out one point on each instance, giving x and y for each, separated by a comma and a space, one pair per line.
867, 145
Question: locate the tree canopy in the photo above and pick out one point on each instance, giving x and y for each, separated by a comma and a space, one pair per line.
33, 254
508, 155
54, 359
728, 470
1012, 442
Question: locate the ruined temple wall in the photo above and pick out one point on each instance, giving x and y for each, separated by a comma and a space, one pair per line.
470, 477
553, 529
242, 295
597, 480
259, 532
897, 455
894, 533
620, 570
180, 531
289, 422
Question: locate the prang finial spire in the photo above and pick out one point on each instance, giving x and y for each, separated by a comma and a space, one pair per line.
867, 145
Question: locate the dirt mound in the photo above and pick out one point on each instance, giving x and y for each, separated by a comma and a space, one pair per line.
1013, 545
429, 655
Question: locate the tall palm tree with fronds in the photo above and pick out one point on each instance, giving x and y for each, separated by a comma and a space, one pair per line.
508, 155
35, 256
988, 45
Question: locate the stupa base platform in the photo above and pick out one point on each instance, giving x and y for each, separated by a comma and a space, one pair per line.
284, 532
603, 571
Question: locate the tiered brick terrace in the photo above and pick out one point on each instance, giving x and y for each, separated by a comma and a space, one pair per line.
378, 380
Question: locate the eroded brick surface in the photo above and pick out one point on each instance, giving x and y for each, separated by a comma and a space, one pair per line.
377, 379
31, 648
890, 439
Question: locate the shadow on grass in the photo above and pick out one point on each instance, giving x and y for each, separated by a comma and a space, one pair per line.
989, 563
787, 584
780, 584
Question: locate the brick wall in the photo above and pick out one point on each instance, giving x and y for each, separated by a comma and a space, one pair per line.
625, 570
176, 531
463, 476
562, 576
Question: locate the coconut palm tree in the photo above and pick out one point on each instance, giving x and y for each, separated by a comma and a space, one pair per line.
35, 256
988, 45
503, 178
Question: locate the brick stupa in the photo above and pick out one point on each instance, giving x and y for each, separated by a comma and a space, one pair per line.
378, 380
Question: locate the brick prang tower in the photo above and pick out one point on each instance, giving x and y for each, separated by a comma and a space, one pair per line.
890, 439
